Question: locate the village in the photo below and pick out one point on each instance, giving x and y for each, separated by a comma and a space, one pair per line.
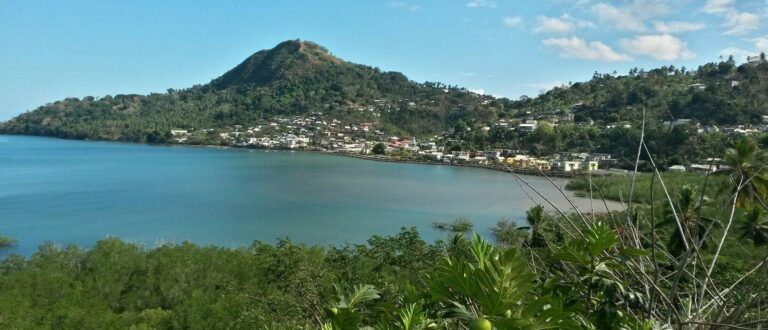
315, 132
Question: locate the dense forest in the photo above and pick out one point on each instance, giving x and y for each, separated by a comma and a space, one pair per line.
300, 77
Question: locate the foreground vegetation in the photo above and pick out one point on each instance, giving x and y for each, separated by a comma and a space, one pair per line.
532, 279
685, 261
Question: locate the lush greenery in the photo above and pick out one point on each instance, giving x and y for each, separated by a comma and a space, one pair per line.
299, 77
6, 241
695, 258
608, 111
616, 186
294, 78
397, 282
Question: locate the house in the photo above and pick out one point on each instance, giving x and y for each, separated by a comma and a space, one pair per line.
676, 168
755, 59
678, 122
479, 159
607, 162
492, 154
582, 156
701, 168
519, 161
526, 128
540, 164
566, 165
436, 155
461, 155
589, 166
599, 156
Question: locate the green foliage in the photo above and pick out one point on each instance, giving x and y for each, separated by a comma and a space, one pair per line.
6, 242
379, 149
300, 77
459, 225
293, 78
754, 226
616, 186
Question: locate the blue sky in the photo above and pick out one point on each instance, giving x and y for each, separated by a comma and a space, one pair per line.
50, 50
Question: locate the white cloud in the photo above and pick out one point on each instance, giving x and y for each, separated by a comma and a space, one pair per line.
575, 47
513, 21
676, 27
631, 17
739, 23
663, 47
736, 22
478, 91
762, 43
718, 6
562, 24
553, 24
481, 3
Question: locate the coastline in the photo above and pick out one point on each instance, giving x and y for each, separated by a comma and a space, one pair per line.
583, 203
378, 158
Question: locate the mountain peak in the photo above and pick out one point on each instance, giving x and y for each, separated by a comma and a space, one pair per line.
289, 58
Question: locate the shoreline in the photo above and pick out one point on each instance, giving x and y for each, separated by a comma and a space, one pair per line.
617, 206
378, 158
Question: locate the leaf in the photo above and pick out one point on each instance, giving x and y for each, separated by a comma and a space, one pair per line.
632, 252
600, 239
411, 316
360, 294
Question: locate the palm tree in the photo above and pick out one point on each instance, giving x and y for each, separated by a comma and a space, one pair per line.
535, 217
755, 227
745, 166
687, 209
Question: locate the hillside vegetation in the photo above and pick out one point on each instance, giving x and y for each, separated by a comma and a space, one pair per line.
603, 114
295, 77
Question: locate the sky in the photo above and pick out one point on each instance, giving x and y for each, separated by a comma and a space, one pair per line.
50, 50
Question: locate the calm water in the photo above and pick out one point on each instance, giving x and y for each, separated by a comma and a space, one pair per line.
79, 192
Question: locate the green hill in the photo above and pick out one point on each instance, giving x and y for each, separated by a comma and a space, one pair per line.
301, 77
295, 77
713, 94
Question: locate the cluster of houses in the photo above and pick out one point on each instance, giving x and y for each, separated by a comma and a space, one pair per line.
735, 129
710, 165
584, 162
297, 132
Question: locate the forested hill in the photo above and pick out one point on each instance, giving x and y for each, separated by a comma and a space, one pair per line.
295, 77
301, 77
721, 93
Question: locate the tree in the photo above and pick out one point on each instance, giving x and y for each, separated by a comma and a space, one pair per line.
379, 149
507, 233
755, 226
535, 217
745, 173
694, 229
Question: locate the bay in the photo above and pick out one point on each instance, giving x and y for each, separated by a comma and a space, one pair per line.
78, 192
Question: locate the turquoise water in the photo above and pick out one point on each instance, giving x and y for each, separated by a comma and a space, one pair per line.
77, 192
